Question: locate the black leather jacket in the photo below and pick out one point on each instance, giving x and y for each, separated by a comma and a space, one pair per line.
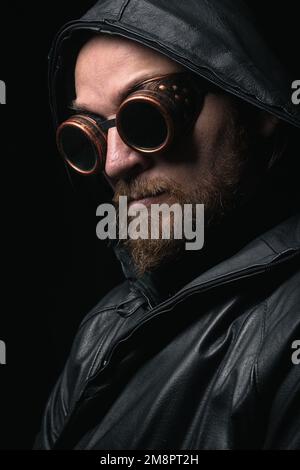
199, 356
208, 367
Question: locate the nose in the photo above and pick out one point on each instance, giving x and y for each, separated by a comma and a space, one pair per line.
123, 162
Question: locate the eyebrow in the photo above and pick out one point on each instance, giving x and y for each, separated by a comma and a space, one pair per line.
121, 95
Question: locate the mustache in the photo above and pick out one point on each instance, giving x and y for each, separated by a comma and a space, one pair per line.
142, 188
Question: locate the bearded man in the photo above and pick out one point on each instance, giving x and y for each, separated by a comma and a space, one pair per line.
183, 102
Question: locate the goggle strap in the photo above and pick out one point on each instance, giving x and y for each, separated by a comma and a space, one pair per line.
105, 125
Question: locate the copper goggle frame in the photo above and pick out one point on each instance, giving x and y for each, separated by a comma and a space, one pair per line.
178, 98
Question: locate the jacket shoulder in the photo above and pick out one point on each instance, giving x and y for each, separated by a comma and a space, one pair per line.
90, 346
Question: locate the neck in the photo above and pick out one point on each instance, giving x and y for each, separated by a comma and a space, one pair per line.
268, 208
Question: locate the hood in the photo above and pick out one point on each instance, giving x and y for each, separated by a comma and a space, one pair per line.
217, 40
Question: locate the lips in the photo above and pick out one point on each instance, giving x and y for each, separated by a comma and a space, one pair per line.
138, 197
147, 199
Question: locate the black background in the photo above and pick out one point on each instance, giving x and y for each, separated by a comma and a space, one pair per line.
53, 269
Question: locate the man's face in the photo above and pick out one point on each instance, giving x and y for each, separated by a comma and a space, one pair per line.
206, 167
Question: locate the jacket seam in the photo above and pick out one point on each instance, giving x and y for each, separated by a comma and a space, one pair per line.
123, 8
236, 335
270, 246
90, 372
97, 312
113, 307
263, 329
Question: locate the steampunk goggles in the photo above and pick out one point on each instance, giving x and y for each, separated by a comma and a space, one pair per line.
153, 117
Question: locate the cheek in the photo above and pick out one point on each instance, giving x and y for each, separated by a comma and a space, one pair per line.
212, 130
196, 156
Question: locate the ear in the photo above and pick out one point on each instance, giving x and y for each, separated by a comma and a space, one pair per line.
267, 124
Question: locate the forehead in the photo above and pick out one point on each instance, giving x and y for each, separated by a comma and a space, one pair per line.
103, 53
106, 65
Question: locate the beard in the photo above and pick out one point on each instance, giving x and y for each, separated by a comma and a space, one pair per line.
221, 189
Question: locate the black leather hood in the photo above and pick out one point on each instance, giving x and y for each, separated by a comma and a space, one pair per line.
215, 39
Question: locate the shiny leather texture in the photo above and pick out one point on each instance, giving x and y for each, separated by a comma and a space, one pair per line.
208, 368
216, 39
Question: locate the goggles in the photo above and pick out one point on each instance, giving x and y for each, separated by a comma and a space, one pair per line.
151, 119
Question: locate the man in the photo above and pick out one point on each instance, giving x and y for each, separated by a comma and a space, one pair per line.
193, 350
